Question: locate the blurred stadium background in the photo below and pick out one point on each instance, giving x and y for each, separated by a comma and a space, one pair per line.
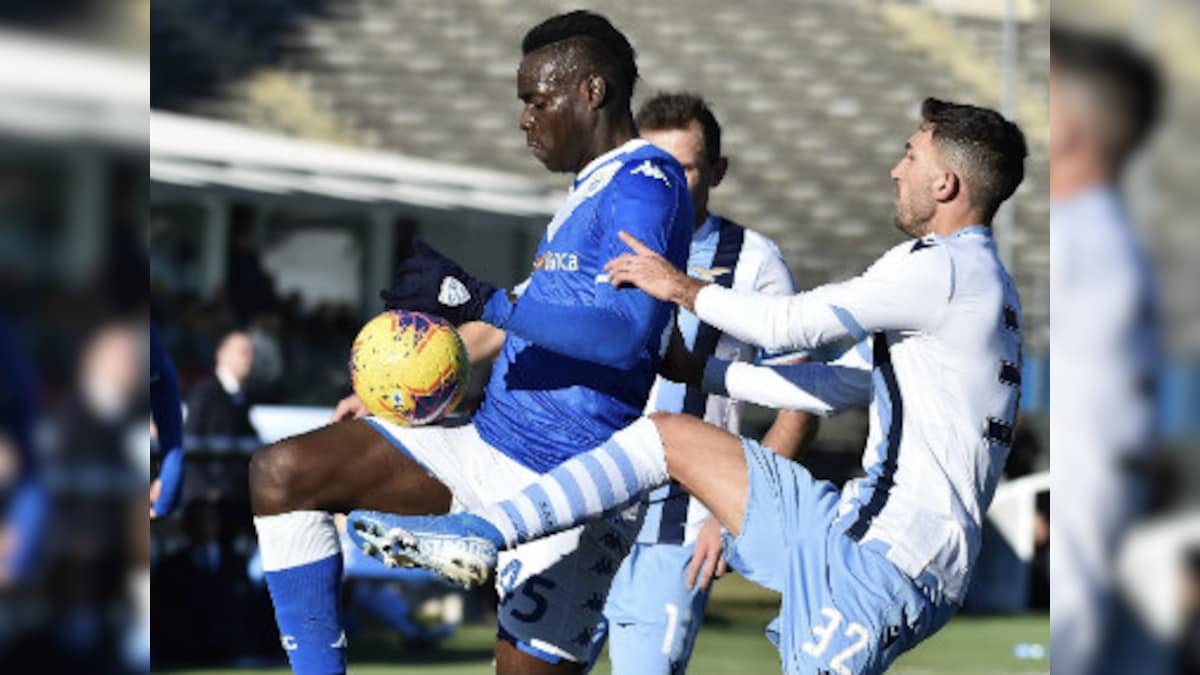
295, 148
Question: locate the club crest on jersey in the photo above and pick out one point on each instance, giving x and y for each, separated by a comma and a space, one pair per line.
453, 293
651, 171
709, 273
551, 261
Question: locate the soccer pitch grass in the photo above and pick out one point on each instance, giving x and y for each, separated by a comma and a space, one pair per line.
731, 642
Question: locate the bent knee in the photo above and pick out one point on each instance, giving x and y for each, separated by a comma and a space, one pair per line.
668, 422
274, 477
672, 427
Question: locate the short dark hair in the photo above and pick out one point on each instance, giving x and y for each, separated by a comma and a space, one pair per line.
988, 150
677, 111
603, 46
1122, 83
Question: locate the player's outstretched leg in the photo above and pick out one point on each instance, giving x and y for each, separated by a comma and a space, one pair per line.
605, 478
460, 547
295, 485
609, 477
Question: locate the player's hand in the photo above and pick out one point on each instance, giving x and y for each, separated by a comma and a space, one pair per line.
155, 491
680, 364
350, 407
707, 556
429, 282
652, 273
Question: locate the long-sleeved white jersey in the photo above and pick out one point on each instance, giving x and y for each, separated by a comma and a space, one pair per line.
938, 325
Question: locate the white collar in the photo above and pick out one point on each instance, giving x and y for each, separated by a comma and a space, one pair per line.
228, 382
629, 146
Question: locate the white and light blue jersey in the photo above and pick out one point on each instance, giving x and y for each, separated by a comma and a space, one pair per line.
938, 324
544, 403
728, 254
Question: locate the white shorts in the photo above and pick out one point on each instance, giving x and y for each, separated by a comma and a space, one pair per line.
552, 591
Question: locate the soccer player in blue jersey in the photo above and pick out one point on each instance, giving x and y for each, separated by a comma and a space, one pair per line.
577, 364
657, 601
869, 570
168, 420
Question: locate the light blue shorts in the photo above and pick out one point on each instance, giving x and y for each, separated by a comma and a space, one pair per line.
652, 616
845, 608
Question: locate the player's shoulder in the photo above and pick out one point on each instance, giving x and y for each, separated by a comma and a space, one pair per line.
928, 257
646, 167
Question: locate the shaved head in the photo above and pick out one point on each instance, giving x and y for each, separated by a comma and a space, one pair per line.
584, 44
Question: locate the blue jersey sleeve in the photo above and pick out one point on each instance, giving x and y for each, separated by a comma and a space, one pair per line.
651, 202
168, 418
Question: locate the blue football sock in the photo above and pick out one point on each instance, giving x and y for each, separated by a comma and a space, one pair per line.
306, 589
308, 609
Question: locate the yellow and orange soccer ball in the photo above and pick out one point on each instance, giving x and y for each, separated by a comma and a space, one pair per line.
409, 368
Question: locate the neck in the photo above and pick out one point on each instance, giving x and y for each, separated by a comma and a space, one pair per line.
701, 218
611, 131
946, 223
1069, 178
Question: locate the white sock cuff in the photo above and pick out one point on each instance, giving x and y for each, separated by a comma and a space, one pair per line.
296, 538
644, 447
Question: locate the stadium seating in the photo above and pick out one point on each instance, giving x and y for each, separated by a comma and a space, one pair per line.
815, 98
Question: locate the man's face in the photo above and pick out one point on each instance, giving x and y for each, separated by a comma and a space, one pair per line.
555, 115
687, 146
914, 176
237, 356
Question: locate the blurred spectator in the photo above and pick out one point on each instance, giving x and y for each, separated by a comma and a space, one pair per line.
267, 371
218, 418
247, 285
218, 428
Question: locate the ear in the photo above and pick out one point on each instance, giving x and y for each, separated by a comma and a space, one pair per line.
946, 186
719, 168
595, 91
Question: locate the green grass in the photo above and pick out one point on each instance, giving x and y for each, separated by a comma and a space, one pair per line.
731, 642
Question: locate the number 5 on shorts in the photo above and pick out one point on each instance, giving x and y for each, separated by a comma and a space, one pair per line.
824, 635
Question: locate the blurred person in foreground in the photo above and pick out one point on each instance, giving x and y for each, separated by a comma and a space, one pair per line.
96, 455
868, 571
1105, 341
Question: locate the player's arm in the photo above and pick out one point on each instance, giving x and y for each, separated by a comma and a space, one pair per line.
616, 329
908, 288
167, 412
818, 388
483, 341
793, 431
612, 332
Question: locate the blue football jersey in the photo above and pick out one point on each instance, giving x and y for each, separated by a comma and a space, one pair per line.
544, 406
